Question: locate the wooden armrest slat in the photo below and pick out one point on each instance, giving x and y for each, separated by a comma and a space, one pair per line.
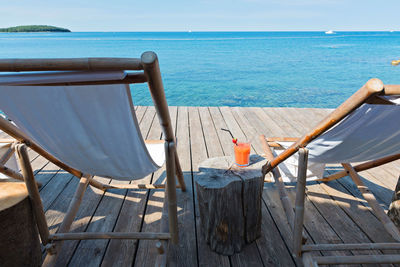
154, 141
6, 155
282, 139
7, 140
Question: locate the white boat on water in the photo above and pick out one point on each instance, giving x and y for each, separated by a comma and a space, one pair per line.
330, 32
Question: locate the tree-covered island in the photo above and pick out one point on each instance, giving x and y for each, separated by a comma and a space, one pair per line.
34, 28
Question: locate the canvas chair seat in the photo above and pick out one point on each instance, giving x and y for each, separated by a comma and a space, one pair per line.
157, 153
370, 132
92, 128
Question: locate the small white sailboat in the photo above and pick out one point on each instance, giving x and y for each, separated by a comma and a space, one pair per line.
330, 32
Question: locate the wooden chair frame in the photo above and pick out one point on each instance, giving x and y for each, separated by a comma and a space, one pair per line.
371, 92
147, 70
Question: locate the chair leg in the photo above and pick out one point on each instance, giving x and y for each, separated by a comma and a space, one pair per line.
163, 245
283, 196
361, 167
299, 206
171, 191
167, 211
287, 205
373, 203
33, 191
179, 173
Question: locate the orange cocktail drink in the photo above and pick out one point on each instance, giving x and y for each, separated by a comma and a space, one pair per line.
242, 154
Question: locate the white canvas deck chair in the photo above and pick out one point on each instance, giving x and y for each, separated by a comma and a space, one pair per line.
365, 128
78, 114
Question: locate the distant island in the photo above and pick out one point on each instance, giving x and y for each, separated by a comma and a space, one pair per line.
34, 28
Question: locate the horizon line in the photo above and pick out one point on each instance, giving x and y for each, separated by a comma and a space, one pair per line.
194, 31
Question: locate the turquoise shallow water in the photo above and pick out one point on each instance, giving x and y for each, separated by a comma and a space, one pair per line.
287, 69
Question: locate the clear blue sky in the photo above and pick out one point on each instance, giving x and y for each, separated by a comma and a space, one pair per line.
204, 15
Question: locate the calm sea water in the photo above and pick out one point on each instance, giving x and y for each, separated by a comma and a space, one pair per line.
287, 69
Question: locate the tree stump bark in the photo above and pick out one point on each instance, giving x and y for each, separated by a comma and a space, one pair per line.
19, 238
229, 200
394, 208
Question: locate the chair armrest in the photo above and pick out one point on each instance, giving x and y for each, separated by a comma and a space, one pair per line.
282, 139
154, 141
6, 152
7, 140
272, 141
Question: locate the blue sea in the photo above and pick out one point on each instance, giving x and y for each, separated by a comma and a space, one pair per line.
269, 69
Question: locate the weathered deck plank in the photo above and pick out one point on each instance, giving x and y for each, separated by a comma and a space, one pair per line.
122, 252
178, 255
214, 149
152, 212
198, 152
277, 254
89, 205
336, 212
250, 254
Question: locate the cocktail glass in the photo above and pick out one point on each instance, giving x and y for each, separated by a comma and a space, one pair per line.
242, 154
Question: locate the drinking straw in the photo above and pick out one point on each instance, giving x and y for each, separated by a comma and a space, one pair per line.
234, 140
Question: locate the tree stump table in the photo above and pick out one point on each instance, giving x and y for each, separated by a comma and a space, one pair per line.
19, 238
229, 200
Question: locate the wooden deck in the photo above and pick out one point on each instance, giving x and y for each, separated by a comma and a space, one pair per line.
335, 211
